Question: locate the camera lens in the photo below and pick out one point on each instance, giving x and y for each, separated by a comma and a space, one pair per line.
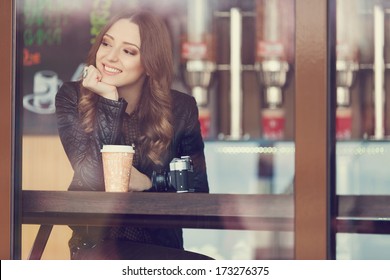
159, 182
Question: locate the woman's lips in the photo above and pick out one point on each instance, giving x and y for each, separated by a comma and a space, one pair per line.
111, 70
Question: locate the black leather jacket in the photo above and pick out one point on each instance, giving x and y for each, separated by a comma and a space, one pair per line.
83, 150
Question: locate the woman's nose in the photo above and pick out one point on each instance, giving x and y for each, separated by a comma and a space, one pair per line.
113, 54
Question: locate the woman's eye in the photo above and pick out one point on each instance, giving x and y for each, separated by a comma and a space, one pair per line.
104, 43
129, 52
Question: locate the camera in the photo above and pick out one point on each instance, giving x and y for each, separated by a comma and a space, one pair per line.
179, 178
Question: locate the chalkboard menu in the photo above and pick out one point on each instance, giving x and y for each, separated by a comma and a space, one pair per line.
55, 37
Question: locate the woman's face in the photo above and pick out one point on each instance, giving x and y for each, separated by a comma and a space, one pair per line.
118, 58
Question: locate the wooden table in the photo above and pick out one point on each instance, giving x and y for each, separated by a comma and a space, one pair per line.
186, 210
353, 213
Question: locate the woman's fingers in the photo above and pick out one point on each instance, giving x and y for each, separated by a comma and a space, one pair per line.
91, 76
92, 80
139, 181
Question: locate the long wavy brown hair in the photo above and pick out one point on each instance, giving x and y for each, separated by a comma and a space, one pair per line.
154, 108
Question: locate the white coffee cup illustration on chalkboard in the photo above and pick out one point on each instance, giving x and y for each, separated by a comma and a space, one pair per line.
46, 85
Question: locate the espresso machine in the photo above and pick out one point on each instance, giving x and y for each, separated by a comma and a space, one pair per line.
198, 58
347, 65
345, 76
271, 65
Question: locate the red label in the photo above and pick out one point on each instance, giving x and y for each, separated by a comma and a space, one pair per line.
273, 124
343, 126
193, 50
270, 49
204, 119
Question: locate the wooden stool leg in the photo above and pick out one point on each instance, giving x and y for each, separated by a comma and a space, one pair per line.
40, 242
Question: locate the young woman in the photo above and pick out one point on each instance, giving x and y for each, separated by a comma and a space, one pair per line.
125, 98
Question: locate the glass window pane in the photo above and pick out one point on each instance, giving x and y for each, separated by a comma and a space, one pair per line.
236, 58
362, 119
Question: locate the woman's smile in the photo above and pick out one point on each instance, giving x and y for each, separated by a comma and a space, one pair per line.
111, 70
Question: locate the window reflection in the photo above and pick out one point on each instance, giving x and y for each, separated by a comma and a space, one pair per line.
257, 157
362, 119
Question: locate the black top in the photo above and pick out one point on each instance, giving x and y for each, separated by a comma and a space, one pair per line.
115, 126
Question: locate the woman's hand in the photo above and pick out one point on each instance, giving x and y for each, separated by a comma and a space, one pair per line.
138, 181
92, 80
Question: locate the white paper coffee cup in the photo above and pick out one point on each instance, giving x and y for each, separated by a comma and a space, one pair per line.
117, 163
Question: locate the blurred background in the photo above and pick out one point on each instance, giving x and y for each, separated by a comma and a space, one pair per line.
237, 59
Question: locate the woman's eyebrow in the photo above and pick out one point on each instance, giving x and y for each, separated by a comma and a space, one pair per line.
127, 43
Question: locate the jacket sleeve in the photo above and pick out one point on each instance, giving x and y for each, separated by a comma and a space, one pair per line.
191, 144
81, 148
